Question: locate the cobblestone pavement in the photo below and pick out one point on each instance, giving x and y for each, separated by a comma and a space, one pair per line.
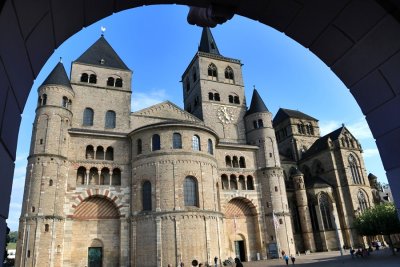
381, 258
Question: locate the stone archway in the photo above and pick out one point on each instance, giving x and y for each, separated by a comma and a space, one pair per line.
358, 40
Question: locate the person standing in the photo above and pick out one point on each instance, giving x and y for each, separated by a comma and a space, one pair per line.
238, 262
293, 258
286, 258
216, 261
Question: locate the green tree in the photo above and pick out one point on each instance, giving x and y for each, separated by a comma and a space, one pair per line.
379, 220
13, 236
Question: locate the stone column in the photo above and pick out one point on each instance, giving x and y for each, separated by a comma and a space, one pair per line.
99, 177
321, 228
111, 174
159, 241
87, 177
304, 213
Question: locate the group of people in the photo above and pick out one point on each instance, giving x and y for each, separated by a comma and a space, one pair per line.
286, 258
195, 263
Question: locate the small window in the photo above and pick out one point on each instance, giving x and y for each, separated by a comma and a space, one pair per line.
216, 97
100, 153
139, 146
235, 162
280, 221
155, 142
65, 102
110, 81
196, 143
110, 153
89, 152
229, 75
260, 123
276, 189
46, 227
50, 182
146, 196
236, 100
210, 149
230, 98
255, 124
41, 141
194, 75
228, 161
190, 191
242, 162
93, 78
44, 100
29, 253
118, 82
88, 117
187, 85
210, 96
110, 119
177, 141
33, 209
84, 78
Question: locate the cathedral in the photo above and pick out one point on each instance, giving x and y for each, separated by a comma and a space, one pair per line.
109, 187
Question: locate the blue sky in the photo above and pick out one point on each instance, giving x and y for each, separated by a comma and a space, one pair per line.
157, 43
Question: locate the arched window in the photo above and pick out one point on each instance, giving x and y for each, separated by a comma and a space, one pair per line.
210, 148
44, 100
110, 119
242, 162
146, 195
233, 182
225, 182
250, 182
110, 153
235, 162
118, 82
190, 191
93, 78
84, 77
116, 177
155, 142
196, 143
194, 75
100, 153
65, 102
187, 82
228, 161
105, 176
89, 152
81, 176
50, 182
362, 201
229, 75
46, 227
216, 97
110, 81
355, 173
139, 146
236, 99
242, 182
39, 101
88, 117
260, 123
210, 96
255, 124
93, 176
230, 98
325, 212
212, 72
176, 141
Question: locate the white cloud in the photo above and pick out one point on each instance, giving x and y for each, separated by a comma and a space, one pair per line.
359, 129
370, 152
144, 100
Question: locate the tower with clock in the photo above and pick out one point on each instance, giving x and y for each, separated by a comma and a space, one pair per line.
214, 90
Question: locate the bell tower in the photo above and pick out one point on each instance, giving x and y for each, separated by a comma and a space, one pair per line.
213, 90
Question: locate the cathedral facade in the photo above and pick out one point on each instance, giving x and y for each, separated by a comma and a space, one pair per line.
109, 187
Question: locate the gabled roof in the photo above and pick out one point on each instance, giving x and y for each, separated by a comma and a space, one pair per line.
284, 113
257, 104
58, 76
102, 54
207, 42
322, 143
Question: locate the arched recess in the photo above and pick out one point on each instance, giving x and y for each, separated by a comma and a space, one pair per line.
241, 224
362, 48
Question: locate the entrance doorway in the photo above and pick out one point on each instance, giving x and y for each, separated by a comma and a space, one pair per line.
239, 250
95, 257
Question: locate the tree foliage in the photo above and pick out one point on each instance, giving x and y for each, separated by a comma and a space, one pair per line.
379, 220
13, 236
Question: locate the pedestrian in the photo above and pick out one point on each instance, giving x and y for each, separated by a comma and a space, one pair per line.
293, 258
216, 261
182, 264
283, 253
286, 258
200, 264
238, 262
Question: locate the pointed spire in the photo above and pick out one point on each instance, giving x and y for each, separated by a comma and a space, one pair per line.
207, 42
257, 104
102, 54
58, 76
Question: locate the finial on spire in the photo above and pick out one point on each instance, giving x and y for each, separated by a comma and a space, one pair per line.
254, 87
61, 60
103, 29
342, 124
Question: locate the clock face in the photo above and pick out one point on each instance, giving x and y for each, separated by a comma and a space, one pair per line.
225, 114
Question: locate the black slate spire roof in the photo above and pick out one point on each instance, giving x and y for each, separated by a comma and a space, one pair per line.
207, 42
284, 113
257, 104
58, 76
102, 54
